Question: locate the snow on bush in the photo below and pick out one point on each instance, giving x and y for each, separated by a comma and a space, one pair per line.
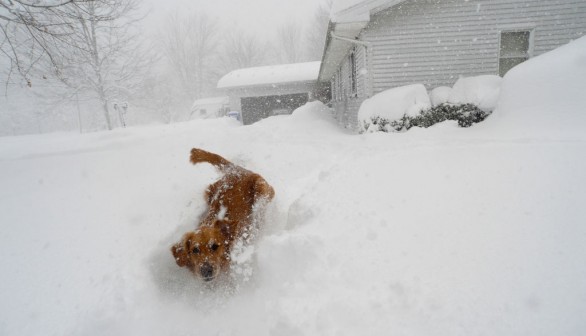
470, 101
482, 91
465, 114
440, 95
392, 104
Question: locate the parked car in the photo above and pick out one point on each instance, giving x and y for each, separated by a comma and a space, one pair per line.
235, 115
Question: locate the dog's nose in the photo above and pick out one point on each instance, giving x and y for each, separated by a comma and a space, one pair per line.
207, 271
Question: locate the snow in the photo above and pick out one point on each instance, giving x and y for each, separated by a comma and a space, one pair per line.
553, 82
393, 104
438, 231
340, 5
208, 107
270, 75
211, 101
482, 91
344, 11
440, 95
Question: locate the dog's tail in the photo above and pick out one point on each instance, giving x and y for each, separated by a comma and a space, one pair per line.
199, 155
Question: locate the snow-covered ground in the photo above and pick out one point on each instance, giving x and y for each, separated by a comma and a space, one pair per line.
439, 231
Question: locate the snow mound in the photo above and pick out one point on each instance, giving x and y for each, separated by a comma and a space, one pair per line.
482, 91
313, 111
440, 95
545, 94
394, 103
313, 118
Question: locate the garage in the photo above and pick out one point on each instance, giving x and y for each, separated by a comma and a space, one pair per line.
257, 108
261, 92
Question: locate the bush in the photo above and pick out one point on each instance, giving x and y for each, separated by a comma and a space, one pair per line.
465, 114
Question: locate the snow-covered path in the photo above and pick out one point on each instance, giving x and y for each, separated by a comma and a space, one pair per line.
439, 231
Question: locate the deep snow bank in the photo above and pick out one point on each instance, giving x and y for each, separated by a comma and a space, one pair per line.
545, 94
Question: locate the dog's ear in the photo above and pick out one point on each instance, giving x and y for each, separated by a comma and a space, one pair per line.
179, 251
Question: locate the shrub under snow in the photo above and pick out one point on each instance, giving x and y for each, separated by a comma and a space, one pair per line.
482, 91
392, 104
470, 101
440, 95
465, 114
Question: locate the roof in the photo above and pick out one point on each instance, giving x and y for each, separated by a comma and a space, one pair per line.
347, 19
271, 75
358, 10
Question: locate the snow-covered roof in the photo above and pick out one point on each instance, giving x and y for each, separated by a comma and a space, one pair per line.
269, 75
358, 10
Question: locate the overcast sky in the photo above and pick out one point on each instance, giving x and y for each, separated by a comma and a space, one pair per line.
261, 17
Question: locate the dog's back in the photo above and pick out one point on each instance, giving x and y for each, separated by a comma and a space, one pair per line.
233, 203
234, 195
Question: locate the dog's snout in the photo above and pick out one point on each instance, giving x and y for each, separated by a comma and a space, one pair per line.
207, 271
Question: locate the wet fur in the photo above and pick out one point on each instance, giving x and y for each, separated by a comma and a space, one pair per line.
232, 204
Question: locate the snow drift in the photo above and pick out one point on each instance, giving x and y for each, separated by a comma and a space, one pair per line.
545, 94
440, 231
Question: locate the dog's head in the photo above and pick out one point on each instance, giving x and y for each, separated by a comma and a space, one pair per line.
205, 251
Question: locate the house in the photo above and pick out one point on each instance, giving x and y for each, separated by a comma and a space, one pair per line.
265, 91
374, 45
209, 108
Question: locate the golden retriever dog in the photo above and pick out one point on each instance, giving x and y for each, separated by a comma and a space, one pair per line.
234, 202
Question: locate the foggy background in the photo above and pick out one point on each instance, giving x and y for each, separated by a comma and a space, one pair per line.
154, 59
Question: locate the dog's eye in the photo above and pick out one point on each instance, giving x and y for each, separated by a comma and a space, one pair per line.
195, 250
214, 246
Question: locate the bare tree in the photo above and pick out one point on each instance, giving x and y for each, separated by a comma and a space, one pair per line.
190, 47
101, 57
290, 43
316, 32
242, 50
30, 29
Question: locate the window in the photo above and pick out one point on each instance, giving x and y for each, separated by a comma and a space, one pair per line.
353, 90
515, 48
340, 85
336, 86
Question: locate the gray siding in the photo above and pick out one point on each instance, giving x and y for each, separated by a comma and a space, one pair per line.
347, 112
346, 104
362, 71
436, 41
